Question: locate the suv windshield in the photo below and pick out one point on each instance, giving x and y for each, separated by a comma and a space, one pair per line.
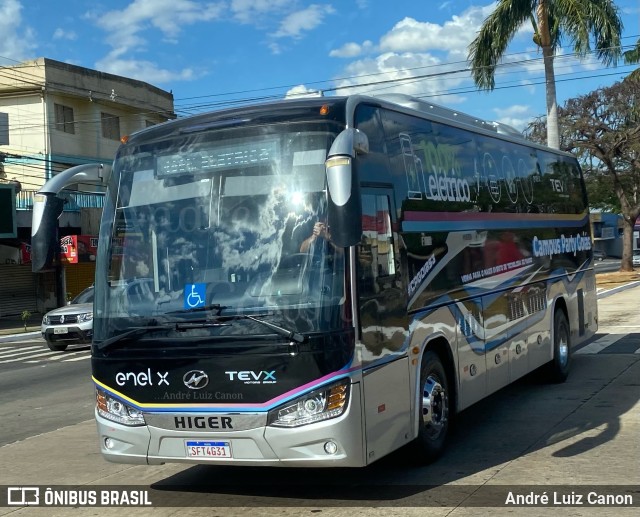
85, 296
232, 218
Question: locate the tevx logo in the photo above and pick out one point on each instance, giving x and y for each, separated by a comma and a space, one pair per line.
251, 377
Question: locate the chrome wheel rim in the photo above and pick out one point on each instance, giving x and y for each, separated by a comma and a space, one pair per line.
435, 407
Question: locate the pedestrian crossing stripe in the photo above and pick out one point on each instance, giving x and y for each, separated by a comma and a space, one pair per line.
13, 350
599, 345
40, 354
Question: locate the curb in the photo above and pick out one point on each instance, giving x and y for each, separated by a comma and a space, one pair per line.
615, 290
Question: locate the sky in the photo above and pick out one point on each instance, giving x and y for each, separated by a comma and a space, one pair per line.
212, 54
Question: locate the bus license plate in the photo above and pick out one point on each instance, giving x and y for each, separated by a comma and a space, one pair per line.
208, 449
61, 330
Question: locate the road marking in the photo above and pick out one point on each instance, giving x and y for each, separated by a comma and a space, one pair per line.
602, 343
88, 356
28, 357
65, 355
25, 353
17, 349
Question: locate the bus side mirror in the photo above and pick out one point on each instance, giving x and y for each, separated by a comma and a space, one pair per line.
47, 209
345, 207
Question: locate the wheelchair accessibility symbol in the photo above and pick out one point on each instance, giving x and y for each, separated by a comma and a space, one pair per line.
194, 295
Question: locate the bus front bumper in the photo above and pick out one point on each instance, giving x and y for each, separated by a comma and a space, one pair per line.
337, 442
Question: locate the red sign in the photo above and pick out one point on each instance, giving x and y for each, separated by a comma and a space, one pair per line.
25, 253
78, 248
73, 249
69, 249
87, 248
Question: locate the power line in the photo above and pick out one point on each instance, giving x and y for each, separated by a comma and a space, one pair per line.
502, 69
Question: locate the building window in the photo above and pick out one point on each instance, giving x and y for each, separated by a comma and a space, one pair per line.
4, 128
64, 119
110, 126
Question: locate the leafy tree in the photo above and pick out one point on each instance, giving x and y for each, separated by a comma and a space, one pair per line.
604, 126
578, 20
600, 190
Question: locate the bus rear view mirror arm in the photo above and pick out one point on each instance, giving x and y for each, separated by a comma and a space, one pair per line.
47, 209
93, 173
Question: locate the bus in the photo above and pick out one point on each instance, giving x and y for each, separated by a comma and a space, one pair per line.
319, 282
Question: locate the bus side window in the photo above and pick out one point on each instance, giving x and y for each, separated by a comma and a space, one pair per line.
382, 295
376, 250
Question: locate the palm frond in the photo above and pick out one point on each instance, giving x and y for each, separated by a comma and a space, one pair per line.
495, 34
584, 21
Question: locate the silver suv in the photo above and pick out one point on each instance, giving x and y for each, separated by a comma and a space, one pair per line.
71, 324
636, 258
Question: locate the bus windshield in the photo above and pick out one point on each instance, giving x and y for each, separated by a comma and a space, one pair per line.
232, 219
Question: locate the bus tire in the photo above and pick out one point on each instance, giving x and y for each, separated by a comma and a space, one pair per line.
56, 347
434, 410
558, 368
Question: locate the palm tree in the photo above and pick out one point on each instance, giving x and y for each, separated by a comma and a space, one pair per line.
633, 56
578, 20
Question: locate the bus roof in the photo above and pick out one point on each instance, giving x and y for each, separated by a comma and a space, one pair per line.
341, 109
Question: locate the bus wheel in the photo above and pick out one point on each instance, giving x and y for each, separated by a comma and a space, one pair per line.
434, 410
559, 365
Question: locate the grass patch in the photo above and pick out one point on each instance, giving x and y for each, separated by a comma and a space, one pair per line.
617, 277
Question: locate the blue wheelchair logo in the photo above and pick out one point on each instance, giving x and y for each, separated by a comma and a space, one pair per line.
194, 295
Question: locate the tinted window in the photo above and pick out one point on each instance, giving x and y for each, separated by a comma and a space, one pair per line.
437, 167
85, 296
561, 184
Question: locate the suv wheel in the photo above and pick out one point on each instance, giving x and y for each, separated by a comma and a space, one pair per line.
56, 347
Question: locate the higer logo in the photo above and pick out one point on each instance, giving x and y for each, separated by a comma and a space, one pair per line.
251, 377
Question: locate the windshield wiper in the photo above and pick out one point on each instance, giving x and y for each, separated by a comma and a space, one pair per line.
131, 334
215, 308
135, 333
289, 334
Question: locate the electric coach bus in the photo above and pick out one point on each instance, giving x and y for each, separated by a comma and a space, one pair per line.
319, 282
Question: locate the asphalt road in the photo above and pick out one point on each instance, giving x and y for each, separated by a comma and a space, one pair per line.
40, 395
607, 265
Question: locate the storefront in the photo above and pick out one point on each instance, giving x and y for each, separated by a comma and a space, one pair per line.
22, 290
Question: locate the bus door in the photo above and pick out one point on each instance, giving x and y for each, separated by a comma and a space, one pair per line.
384, 325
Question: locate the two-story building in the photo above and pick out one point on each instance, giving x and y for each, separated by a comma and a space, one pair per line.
53, 116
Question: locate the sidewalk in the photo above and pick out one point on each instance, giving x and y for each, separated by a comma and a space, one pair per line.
13, 325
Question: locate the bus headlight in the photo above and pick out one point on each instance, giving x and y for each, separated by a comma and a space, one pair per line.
312, 407
116, 410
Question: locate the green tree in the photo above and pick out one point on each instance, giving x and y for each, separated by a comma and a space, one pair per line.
602, 126
25, 318
631, 57
581, 21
